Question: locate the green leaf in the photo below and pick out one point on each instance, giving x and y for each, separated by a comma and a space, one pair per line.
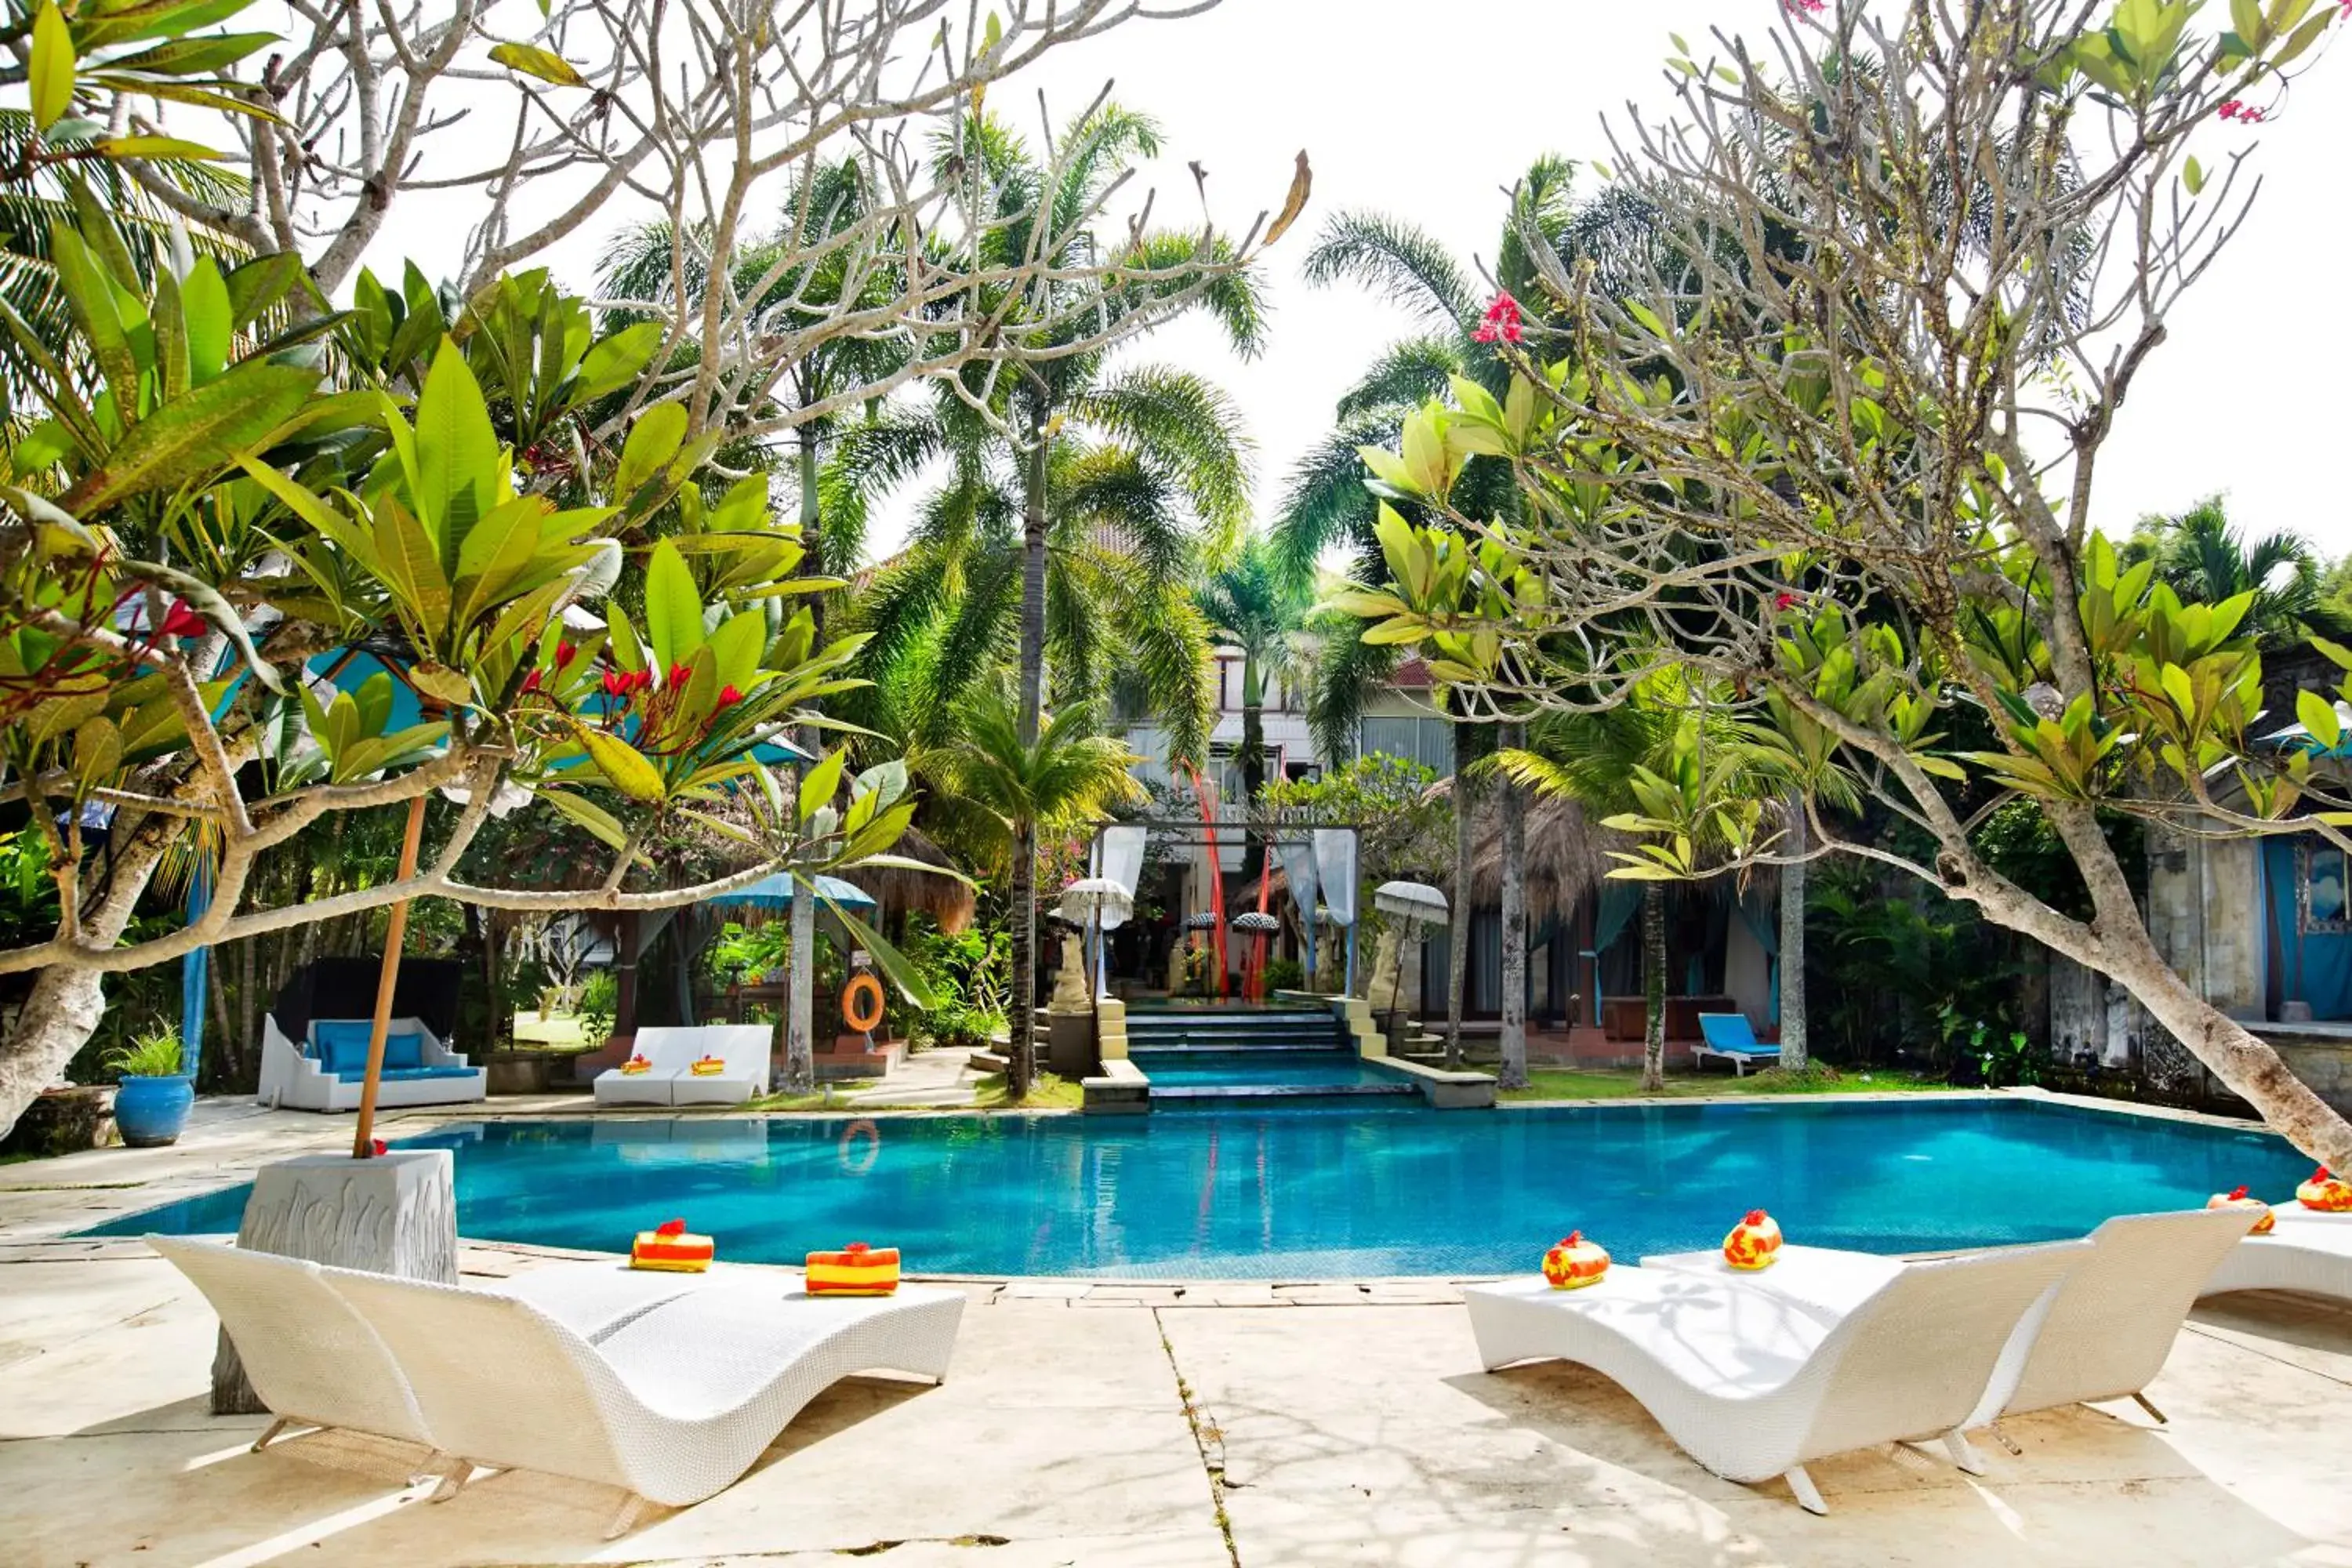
261, 283
652, 442
92, 296
51, 74
673, 609
599, 822
195, 436
2319, 717
197, 55
456, 450
532, 60
205, 307
888, 959
613, 362
2192, 174
157, 147
822, 782
97, 751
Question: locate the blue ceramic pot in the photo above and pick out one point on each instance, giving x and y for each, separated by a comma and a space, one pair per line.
151, 1112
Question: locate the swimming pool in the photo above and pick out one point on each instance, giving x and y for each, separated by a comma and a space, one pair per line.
1309, 1194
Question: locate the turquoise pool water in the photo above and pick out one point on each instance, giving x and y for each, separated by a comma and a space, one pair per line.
1302, 1194
1198, 1069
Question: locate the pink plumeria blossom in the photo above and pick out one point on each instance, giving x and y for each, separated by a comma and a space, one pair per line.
2245, 113
1815, 7
1502, 322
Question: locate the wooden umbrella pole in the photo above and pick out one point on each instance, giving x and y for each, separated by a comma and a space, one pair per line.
396, 932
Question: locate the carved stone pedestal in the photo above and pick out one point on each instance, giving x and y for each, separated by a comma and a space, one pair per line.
396, 1214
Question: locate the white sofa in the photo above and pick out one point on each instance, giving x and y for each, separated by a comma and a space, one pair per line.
326, 1071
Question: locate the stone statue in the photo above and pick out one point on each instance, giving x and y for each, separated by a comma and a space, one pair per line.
1070, 992
1381, 991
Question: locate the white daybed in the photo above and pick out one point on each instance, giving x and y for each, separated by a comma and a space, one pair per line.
325, 1071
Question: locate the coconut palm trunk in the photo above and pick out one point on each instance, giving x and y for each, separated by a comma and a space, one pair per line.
1023, 1025
800, 1022
1512, 801
1653, 986
1457, 945
1792, 946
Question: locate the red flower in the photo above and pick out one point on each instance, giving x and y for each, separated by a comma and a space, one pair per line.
642, 681
379, 1148
616, 683
2237, 1193
670, 1227
565, 652
729, 697
677, 674
2245, 113
1502, 321
1810, 7
1785, 601
180, 621
530, 681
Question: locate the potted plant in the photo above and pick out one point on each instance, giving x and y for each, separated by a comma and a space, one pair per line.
152, 1106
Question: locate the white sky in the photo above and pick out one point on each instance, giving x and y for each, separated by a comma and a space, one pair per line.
1429, 112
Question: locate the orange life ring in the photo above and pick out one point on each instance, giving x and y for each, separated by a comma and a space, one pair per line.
869, 1138
863, 1018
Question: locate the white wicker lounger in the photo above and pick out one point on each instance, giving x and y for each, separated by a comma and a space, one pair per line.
2105, 1334
2309, 1252
746, 1048
672, 1407
316, 1362
1752, 1385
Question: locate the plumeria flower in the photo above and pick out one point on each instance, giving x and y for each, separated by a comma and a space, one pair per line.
677, 674
180, 621
2245, 113
1785, 601
729, 697
530, 681
1815, 7
565, 652
1502, 321
616, 683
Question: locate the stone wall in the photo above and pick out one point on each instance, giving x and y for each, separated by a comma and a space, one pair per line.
2325, 1064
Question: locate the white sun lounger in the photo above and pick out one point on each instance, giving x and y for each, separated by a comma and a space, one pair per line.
2105, 1334
1753, 1385
316, 1362
2309, 1252
746, 1048
671, 1408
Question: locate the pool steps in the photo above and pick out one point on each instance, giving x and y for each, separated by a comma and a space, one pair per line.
1299, 1026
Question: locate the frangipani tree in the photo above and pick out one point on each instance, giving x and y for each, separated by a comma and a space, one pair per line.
1841, 457
185, 539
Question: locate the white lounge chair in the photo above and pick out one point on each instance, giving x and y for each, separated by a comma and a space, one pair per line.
661, 1047
2309, 1252
1753, 1385
316, 1362
746, 1048
2104, 1335
672, 1407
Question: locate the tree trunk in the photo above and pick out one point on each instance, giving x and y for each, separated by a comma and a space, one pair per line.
1024, 1022
1457, 939
1253, 761
800, 1001
1022, 1027
1513, 803
1653, 986
1792, 946
65, 1003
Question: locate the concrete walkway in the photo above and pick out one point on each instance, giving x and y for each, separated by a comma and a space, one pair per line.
1123, 1427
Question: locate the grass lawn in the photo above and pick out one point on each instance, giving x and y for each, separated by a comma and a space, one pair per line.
1625, 1083
529, 1028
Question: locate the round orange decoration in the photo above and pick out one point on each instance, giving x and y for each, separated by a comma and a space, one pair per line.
861, 1003
1575, 1263
2328, 1195
2236, 1198
1754, 1242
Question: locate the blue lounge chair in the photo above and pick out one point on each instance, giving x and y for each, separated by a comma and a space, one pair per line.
1729, 1036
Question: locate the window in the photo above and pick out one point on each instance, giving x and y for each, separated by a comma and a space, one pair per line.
1429, 741
2320, 889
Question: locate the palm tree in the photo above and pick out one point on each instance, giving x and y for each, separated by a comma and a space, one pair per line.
1009, 787
2205, 560
1326, 504
1253, 605
1079, 498
1666, 732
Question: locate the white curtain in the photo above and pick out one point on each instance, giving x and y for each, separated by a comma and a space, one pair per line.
1122, 862
1335, 862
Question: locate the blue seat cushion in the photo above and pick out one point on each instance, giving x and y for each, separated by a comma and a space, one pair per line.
403, 1075
343, 1046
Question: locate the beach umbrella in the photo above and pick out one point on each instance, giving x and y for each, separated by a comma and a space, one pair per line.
1417, 904
1091, 898
776, 892
1256, 920
1201, 919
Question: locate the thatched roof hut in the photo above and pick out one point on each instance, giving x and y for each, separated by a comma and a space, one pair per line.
897, 889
